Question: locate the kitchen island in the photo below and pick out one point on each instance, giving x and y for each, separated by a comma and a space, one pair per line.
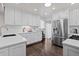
12, 46
32, 37
71, 47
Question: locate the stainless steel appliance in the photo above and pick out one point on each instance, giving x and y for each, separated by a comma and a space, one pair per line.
60, 31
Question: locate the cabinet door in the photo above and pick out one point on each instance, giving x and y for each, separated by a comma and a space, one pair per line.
65, 50
25, 18
35, 20
9, 15
31, 18
77, 16
73, 18
73, 51
70, 51
4, 52
18, 17
18, 50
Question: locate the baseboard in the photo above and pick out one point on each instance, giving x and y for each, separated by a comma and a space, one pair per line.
58, 45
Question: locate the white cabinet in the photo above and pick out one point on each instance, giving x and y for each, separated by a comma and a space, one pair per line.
9, 15
73, 17
4, 52
26, 18
77, 16
32, 37
65, 52
18, 17
14, 50
70, 51
71, 47
64, 14
61, 15
73, 51
29, 19
17, 50
36, 21
33, 20
15, 16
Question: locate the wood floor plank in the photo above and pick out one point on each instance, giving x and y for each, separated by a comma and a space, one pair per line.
44, 48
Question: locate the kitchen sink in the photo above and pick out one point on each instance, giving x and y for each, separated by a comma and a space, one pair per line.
9, 35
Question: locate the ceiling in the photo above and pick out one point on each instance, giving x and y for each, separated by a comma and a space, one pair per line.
40, 9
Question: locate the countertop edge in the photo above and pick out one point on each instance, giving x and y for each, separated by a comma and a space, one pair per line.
64, 43
9, 45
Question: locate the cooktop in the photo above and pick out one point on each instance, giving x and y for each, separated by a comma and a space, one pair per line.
76, 37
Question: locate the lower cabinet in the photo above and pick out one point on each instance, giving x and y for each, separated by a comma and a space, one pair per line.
15, 50
32, 37
4, 52
70, 51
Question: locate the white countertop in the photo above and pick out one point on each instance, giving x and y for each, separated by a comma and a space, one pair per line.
8, 41
71, 42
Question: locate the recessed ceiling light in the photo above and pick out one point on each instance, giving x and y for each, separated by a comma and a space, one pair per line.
72, 3
53, 8
35, 9
47, 4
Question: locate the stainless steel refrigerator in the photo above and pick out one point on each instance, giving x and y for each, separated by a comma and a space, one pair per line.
60, 31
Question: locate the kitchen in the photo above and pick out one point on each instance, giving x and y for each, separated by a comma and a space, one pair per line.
35, 29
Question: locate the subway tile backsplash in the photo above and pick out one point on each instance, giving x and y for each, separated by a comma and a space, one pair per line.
15, 29
72, 29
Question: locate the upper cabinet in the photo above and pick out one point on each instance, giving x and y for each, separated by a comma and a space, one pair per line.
74, 17
71, 14
36, 20
15, 16
61, 15
9, 15
25, 19
30, 19
18, 17
77, 18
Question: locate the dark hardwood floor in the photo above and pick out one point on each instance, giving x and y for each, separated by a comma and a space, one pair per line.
44, 48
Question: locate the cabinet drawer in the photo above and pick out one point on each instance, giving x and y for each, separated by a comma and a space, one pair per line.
70, 51
73, 51
18, 50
